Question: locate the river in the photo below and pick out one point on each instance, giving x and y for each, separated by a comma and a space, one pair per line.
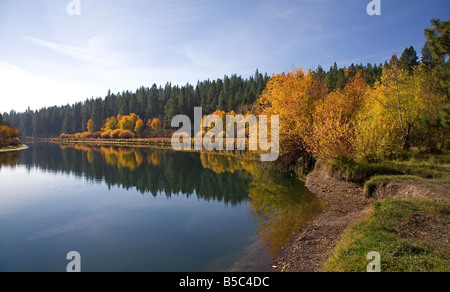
143, 209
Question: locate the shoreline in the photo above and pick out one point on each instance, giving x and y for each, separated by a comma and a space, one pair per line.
155, 143
17, 148
312, 245
311, 248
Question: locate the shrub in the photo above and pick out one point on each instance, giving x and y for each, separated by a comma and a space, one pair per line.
67, 136
115, 134
9, 136
96, 135
125, 134
8, 132
85, 135
106, 135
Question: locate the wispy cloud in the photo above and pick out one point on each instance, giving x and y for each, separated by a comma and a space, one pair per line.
93, 52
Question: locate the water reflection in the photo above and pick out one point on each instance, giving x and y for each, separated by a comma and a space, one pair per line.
278, 201
9, 159
150, 171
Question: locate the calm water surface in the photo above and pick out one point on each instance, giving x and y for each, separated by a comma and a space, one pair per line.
127, 209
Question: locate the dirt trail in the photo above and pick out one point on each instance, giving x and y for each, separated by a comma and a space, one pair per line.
311, 247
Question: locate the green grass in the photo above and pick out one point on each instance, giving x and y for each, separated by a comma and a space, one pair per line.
423, 168
412, 166
382, 233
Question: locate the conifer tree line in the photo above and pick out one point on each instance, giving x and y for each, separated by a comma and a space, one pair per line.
163, 103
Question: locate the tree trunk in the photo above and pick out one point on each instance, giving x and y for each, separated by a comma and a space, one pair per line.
407, 138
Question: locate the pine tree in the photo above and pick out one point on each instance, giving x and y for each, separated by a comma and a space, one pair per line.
133, 104
438, 38
142, 101
409, 59
153, 101
97, 114
221, 102
171, 109
427, 56
67, 125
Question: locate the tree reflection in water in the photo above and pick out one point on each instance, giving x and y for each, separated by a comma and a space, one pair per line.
279, 201
9, 158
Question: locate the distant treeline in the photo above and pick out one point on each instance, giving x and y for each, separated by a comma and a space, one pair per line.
155, 102
227, 94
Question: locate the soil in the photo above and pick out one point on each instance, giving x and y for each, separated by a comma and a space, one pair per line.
404, 190
311, 247
431, 227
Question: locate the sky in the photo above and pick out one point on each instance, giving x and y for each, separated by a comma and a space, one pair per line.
52, 53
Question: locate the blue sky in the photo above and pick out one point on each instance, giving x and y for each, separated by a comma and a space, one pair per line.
48, 57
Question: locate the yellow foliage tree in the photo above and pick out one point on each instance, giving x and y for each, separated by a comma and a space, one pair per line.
139, 126
128, 123
401, 98
392, 118
90, 126
156, 125
110, 124
335, 119
292, 96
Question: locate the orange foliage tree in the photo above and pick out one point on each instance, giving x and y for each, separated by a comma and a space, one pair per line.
335, 119
292, 96
9, 136
139, 126
156, 125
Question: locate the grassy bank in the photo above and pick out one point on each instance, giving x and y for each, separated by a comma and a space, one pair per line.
410, 227
411, 236
409, 167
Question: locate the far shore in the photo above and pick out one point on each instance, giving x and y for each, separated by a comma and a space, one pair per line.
165, 143
159, 143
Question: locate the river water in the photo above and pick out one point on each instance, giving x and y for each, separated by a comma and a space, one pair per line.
136, 209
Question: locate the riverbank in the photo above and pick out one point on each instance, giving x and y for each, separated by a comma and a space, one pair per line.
314, 248
13, 148
311, 247
157, 143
